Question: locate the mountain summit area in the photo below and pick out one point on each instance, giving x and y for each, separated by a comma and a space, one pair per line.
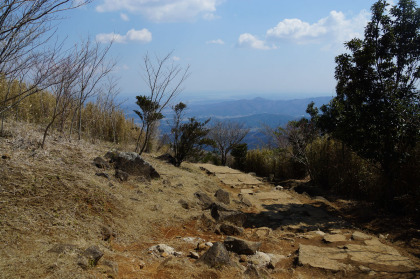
84, 210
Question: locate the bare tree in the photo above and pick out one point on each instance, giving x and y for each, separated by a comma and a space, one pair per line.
164, 79
64, 79
94, 68
226, 135
24, 27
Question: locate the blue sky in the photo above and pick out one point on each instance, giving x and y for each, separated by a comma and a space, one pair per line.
236, 48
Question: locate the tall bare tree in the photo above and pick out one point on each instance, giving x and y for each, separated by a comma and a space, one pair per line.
164, 79
226, 135
94, 68
24, 27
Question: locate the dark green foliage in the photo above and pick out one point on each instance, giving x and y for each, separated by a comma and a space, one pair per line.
377, 112
239, 152
149, 116
187, 137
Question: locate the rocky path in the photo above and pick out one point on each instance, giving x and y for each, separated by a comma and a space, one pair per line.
305, 237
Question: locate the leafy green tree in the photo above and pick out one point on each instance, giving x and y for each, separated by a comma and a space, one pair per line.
148, 115
376, 110
187, 137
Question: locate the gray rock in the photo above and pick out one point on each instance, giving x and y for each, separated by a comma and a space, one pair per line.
102, 174
222, 214
222, 196
100, 162
121, 175
246, 202
216, 256
90, 257
259, 259
133, 164
241, 246
204, 199
185, 204
194, 255
228, 229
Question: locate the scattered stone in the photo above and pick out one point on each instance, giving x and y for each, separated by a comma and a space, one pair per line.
279, 188
246, 202
243, 258
381, 236
364, 269
191, 239
228, 229
201, 246
253, 273
90, 257
185, 204
163, 250
204, 199
240, 246
216, 256
330, 238
209, 244
321, 233
142, 264
106, 233
259, 259
194, 255
100, 162
121, 175
222, 214
133, 164
360, 236
207, 222
321, 199
102, 174
252, 173
274, 259
263, 232
222, 196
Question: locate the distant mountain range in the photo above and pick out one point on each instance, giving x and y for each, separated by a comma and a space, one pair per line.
254, 113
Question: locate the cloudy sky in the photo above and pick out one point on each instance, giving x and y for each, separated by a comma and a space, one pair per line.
236, 48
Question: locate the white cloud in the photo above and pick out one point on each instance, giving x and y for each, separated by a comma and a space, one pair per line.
176, 58
250, 41
143, 36
331, 29
217, 42
124, 17
163, 10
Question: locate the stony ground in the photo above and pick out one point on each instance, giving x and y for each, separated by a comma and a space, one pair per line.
63, 217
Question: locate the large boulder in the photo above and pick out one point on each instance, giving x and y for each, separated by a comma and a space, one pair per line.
222, 196
216, 256
241, 246
132, 163
204, 199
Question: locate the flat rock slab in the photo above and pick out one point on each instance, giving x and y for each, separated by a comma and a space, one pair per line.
382, 256
230, 176
331, 238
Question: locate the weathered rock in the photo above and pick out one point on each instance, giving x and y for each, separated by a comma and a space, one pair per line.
222, 196
100, 162
102, 174
133, 164
330, 238
163, 250
241, 246
194, 255
274, 259
106, 233
228, 229
185, 204
246, 202
221, 214
90, 257
259, 259
216, 256
322, 257
360, 236
121, 175
204, 199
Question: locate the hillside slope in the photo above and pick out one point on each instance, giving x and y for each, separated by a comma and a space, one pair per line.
55, 210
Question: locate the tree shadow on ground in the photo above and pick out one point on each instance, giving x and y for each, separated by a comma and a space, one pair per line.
295, 217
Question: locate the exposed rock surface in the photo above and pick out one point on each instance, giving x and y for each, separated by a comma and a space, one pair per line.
101, 163
222, 196
222, 214
330, 238
241, 246
216, 256
228, 229
133, 164
204, 199
90, 257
